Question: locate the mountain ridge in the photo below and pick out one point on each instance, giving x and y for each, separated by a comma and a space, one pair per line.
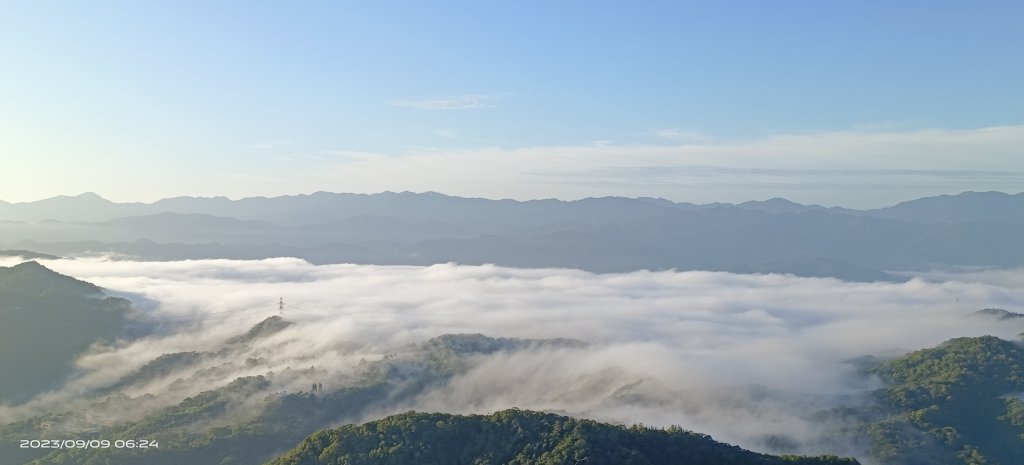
247, 206
598, 234
520, 437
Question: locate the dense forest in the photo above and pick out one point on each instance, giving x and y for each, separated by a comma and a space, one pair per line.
959, 403
54, 318
516, 437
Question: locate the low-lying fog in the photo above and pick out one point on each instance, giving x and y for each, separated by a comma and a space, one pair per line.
737, 356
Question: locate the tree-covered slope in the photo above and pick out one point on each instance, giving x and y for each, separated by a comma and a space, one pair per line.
255, 418
53, 318
959, 403
516, 437
228, 425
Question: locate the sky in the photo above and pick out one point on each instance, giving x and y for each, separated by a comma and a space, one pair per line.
860, 104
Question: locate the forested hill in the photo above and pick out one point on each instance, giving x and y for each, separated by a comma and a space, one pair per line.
54, 318
959, 403
516, 437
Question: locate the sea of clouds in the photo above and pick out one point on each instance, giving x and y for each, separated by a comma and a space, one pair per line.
741, 357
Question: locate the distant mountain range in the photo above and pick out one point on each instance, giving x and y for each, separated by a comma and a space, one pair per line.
609, 234
326, 207
999, 313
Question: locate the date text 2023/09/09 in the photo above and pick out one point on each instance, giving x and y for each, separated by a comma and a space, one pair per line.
88, 444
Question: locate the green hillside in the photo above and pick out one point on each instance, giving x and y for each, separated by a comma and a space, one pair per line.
251, 421
959, 403
54, 318
516, 437
193, 431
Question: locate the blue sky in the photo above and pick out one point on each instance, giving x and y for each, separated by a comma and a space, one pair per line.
141, 100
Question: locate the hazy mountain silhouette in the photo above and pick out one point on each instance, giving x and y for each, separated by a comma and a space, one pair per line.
27, 255
609, 234
83, 207
999, 313
780, 205
325, 207
968, 207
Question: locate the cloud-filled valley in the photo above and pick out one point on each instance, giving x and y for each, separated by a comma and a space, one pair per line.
741, 357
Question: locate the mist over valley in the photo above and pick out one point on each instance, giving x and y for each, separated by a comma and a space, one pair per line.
205, 358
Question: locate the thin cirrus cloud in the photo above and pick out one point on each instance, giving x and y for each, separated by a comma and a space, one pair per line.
450, 102
853, 168
885, 167
677, 134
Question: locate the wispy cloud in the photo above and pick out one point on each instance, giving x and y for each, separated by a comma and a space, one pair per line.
888, 166
676, 134
271, 144
450, 102
892, 125
884, 167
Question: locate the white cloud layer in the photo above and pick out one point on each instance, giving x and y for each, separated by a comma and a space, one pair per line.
450, 102
857, 169
665, 347
863, 168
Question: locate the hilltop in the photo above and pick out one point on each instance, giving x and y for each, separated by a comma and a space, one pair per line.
46, 321
520, 437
